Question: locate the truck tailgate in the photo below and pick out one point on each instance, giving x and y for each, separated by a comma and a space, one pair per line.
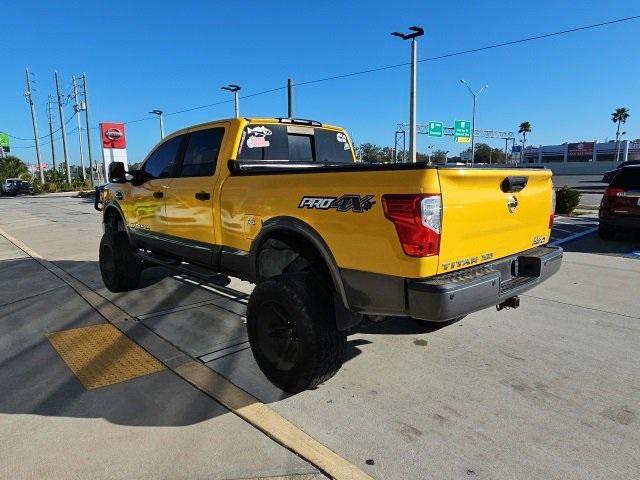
492, 213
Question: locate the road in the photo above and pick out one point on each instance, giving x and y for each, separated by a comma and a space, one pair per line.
550, 390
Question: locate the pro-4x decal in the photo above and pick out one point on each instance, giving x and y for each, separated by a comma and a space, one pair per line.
355, 203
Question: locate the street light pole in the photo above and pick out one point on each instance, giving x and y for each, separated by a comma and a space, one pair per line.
473, 117
417, 32
159, 114
236, 101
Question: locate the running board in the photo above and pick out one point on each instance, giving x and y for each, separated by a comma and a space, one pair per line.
201, 273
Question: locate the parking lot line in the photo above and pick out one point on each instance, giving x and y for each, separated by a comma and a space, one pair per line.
575, 236
237, 400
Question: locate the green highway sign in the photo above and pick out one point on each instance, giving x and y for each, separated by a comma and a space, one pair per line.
435, 129
4, 141
462, 128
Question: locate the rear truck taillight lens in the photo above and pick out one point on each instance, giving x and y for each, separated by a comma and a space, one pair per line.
552, 217
614, 192
417, 219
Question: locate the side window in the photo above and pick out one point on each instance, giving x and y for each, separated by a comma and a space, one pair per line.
202, 151
161, 162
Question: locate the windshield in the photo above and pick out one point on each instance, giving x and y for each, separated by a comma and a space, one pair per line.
293, 143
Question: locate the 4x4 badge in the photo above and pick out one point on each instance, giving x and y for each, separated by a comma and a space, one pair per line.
355, 203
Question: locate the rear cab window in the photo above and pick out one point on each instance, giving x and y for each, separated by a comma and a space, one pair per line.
294, 143
628, 177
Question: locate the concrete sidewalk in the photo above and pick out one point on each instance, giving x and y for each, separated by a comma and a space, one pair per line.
154, 426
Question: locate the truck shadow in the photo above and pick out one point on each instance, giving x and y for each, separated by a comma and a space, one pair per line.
621, 246
204, 321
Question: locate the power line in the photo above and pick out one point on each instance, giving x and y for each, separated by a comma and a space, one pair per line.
389, 67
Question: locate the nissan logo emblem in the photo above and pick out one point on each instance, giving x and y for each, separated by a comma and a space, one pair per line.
113, 134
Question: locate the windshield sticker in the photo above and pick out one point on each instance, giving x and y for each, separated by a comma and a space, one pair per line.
257, 137
345, 203
342, 138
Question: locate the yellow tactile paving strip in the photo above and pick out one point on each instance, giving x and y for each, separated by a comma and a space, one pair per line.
100, 355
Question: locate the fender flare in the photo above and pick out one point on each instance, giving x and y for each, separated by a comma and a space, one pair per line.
295, 225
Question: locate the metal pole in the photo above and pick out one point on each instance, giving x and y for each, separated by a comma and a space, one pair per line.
290, 98
92, 164
62, 126
161, 126
29, 95
506, 140
473, 130
236, 103
78, 108
412, 101
53, 147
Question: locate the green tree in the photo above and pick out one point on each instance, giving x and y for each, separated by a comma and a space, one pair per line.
619, 116
523, 129
12, 167
439, 156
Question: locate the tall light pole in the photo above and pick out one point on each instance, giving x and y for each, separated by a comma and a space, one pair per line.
473, 117
417, 32
234, 89
29, 96
78, 107
62, 127
159, 114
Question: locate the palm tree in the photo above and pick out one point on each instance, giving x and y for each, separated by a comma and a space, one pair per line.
524, 128
619, 116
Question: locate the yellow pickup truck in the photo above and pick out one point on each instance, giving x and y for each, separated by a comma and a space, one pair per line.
327, 240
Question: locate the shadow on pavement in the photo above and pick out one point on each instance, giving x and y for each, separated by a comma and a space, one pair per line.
622, 245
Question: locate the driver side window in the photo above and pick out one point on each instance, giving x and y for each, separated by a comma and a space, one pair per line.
161, 163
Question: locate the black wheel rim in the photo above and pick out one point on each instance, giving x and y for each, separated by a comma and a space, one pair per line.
277, 336
107, 266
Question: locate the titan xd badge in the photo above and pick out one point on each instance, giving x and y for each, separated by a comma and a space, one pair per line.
355, 203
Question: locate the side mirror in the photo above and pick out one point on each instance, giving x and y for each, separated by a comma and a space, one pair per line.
117, 173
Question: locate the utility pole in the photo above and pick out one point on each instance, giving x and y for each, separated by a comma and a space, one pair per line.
234, 89
53, 147
473, 117
92, 164
29, 96
290, 98
62, 126
417, 32
159, 114
78, 107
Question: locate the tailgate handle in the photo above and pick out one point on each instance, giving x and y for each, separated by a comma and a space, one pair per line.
513, 184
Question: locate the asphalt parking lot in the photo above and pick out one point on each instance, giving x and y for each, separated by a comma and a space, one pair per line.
550, 390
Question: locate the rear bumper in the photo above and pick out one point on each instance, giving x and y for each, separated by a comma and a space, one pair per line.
452, 295
621, 222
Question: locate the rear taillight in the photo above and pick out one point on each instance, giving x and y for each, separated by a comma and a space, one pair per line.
614, 192
417, 219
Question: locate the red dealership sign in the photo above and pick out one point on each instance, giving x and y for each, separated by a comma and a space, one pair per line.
112, 135
582, 149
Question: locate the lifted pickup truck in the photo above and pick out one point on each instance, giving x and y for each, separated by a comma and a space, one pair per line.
327, 240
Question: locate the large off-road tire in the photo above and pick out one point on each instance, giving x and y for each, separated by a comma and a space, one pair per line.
120, 267
606, 233
292, 332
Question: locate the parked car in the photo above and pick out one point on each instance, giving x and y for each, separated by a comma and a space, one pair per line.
620, 206
608, 176
328, 241
16, 186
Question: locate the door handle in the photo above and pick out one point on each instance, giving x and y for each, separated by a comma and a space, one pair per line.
203, 196
158, 194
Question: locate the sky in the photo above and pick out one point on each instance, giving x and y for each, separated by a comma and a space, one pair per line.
173, 56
